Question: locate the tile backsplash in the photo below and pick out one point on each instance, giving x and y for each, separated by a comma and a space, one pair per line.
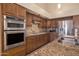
34, 29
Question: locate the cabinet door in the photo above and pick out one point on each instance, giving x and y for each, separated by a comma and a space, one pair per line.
48, 24
29, 44
53, 36
43, 39
76, 21
21, 12
9, 9
29, 19
43, 23
36, 18
46, 38
53, 23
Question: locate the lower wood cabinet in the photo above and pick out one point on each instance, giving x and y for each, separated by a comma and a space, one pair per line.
18, 51
30, 44
34, 42
53, 36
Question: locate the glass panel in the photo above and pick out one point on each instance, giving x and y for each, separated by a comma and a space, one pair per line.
15, 25
15, 38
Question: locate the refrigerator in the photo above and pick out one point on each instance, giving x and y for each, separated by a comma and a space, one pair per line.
65, 28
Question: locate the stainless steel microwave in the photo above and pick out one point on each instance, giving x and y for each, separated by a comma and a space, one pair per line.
13, 23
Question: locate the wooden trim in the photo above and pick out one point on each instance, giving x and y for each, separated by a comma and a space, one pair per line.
1, 30
36, 14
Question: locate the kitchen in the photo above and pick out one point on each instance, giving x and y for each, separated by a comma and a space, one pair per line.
27, 29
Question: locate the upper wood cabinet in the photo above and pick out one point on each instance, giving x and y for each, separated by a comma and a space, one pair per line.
36, 18
52, 23
76, 21
14, 10
9, 9
43, 23
21, 12
48, 24
29, 18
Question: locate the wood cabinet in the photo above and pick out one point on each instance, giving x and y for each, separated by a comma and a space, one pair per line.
36, 18
48, 24
17, 51
1, 30
53, 36
13, 9
30, 44
76, 21
9, 9
43, 23
21, 12
52, 23
29, 19
34, 42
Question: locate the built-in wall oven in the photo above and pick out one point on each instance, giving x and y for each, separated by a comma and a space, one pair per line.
13, 39
14, 32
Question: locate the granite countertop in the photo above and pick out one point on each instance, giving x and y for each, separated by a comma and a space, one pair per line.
39, 33
56, 49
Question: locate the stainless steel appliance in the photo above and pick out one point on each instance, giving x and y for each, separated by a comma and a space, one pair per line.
65, 27
13, 39
14, 32
13, 23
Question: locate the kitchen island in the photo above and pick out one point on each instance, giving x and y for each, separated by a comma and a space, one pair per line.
56, 49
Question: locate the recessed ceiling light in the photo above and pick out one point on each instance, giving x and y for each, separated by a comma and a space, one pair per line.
59, 6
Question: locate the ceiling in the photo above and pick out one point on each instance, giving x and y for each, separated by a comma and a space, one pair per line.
51, 10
